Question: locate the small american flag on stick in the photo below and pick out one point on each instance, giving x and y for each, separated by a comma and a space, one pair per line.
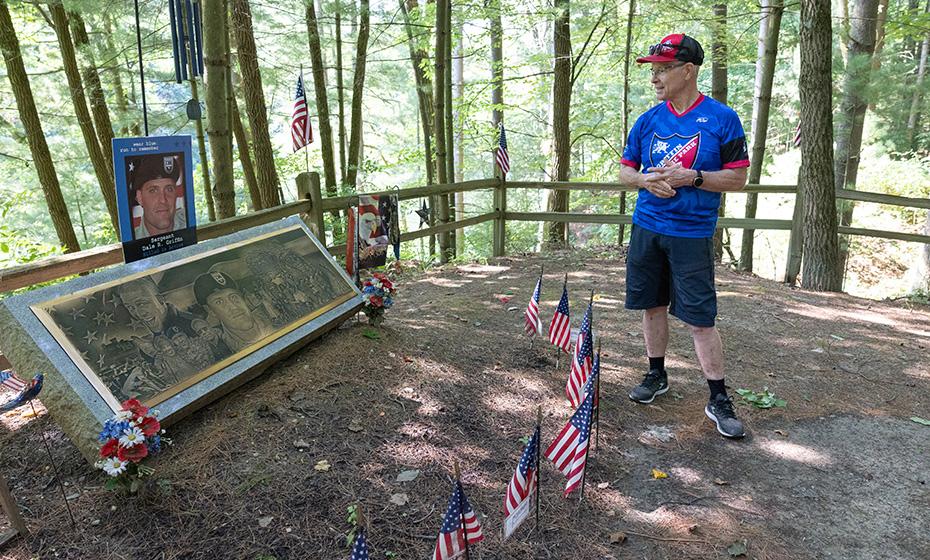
460, 527
523, 482
301, 132
9, 380
360, 549
581, 360
560, 328
569, 451
502, 157
533, 324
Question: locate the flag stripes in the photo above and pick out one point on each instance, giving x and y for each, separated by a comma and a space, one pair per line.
533, 324
560, 328
301, 133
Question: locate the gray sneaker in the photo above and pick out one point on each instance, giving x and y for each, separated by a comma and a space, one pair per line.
720, 410
654, 383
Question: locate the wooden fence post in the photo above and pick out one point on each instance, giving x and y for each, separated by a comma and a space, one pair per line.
795, 241
500, 223
8, 504
308, 187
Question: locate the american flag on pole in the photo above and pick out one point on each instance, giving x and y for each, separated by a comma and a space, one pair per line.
301, 133
451, 541
797, 136
524, 478
502, 157
569, 451
360, 550
581, 360
533, 324
560, 328
9, 380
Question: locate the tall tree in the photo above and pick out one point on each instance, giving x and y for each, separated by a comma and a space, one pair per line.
420, 60
255, 106
719, 91
439, 120
556, 232
41, 156
102, 169
245, 158
626, 99
821, 270
98, 103
340, 91
458, 78
851, 116
215, 55
198, 124
322, 106
358, 87
769, 28
450, 125
914, 114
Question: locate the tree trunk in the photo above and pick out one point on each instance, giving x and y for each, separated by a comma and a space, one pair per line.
119, 93
821, 270
851, 116
41, 156
556, 232
245, 158
497, 67
769, 29
322, 108
719, 91
450, 125
879, 41
626, 102
215, 55
266, 173
340, 93
424, 90
101, 169
439, 121
914, 114
98, 103
358, 86
458, 72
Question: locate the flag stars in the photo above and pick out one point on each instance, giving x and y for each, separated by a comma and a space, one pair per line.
90, 337
103, 319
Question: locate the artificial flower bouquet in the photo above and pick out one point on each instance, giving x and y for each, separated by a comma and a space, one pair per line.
133, 434
378, 295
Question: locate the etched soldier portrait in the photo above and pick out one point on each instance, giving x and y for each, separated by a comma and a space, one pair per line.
153, 334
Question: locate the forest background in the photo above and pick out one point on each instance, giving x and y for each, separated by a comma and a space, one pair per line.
372, 50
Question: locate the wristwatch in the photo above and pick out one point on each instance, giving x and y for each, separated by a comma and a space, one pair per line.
699, 180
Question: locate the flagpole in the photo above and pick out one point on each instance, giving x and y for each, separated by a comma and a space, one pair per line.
54, 468
538, 447
458, 479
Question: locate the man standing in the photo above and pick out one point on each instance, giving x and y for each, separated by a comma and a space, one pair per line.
691, 149
154, 183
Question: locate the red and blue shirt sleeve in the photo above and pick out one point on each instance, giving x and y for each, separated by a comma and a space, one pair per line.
733, 151
632, 152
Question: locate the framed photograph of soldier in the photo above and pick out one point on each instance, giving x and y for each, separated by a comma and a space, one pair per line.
155, 194
153, 334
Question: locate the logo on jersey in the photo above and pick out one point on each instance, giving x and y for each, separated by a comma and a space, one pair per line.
674, 149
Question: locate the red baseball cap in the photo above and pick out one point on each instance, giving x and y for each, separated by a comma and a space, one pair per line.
677, 46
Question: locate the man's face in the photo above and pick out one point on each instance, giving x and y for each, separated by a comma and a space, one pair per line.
230, 308
164, 346
668, 78
145, 304
157, 198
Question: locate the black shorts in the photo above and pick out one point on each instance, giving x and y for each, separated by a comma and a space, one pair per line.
674, 271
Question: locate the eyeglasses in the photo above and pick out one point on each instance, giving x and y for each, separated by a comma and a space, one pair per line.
656, 72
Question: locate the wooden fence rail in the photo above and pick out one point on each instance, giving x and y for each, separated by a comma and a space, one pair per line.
313, 205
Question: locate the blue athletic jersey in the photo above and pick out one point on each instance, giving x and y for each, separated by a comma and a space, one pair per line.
707, 136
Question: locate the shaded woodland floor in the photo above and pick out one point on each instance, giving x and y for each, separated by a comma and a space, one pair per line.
841, 472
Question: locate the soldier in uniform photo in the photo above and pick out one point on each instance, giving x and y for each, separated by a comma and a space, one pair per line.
155, 185
220, 295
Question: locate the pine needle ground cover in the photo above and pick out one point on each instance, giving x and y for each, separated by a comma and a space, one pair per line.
270, 470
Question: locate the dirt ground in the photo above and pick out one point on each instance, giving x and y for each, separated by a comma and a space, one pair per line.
840, 472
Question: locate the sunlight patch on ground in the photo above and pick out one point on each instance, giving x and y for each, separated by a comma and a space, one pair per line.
793, 452
444, 282
485, 269
508, 403
686, 475
415, 454
915, 332
918, 371
835, 314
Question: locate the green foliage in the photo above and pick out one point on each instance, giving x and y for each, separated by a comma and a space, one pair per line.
762, 399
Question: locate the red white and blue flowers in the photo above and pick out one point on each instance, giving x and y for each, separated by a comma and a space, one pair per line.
378, 295
133, 434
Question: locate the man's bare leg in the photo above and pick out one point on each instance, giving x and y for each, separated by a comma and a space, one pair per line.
655, 332
709, 349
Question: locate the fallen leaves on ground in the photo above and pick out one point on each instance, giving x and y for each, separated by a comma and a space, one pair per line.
322, 466
657, 474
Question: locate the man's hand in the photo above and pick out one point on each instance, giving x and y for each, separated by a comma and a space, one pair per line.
657, 185
675, 175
